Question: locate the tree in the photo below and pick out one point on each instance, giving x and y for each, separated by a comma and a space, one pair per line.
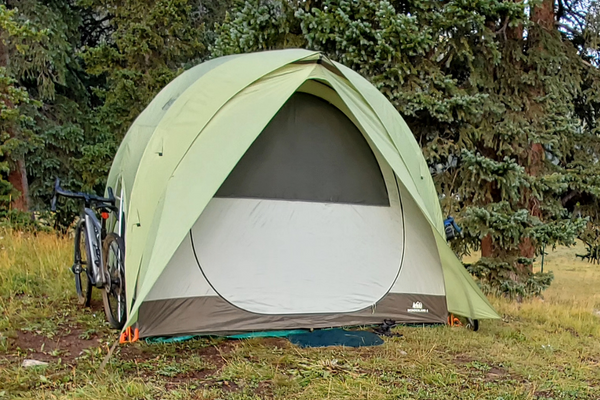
149, 44
578, 21
58, 133
20, 43
73, 76
492, 95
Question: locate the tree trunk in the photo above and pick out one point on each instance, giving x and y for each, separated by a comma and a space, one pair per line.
487, 247
515, 32
535, 161
527, 249
18, 179
18, 174
543, 14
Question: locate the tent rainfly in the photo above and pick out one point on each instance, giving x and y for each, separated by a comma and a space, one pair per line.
280, 190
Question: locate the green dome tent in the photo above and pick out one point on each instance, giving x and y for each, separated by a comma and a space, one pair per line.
281, 190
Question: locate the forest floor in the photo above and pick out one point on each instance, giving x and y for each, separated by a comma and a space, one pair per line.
541, 349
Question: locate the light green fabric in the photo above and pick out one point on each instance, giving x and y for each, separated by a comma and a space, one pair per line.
180, 126
132, 147
463, 296
201, 124
404, 142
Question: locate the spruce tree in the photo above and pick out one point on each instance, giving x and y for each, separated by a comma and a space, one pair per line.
58, 134
75, 74
21, 55
149, 44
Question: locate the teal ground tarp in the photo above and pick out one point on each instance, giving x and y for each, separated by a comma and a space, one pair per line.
336, 337
248, 335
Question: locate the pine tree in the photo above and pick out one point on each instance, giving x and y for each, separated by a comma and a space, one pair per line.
58, 134
150, 43
21, 54
75, 74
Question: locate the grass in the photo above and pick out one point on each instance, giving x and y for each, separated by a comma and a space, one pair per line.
542, 349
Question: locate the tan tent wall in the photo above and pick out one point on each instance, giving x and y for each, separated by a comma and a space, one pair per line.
421, 271
212, 314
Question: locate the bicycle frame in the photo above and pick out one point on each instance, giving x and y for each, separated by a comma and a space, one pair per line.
93, 229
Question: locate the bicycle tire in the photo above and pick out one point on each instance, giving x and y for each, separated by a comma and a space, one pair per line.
113, 294
83, 284
473, 324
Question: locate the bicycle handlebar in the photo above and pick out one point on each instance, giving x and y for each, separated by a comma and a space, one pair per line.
86, 197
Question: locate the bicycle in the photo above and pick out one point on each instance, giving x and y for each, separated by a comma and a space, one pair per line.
98, 258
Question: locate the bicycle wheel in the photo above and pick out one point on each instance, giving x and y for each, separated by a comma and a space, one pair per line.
472, 324
83, 284
113, 294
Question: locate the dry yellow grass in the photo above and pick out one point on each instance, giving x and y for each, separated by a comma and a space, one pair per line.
578, 282
34, 264
573, 297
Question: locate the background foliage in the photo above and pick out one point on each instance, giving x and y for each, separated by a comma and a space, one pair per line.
503, 97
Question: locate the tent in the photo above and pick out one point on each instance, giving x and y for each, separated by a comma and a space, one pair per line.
281, 190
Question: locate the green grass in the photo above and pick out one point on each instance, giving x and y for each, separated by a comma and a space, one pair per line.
542, 349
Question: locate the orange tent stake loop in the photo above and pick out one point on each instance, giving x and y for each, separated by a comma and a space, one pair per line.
454, 321
129, 335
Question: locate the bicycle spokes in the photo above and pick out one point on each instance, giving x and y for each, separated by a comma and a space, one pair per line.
114, 293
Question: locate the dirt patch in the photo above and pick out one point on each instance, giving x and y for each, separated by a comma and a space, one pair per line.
96, 305
213, 354
64, 338
199, 377
66, 345
134, 352
572, 331
227, 386
279, 342
495, 374
462, 359
71, 341
264, 389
